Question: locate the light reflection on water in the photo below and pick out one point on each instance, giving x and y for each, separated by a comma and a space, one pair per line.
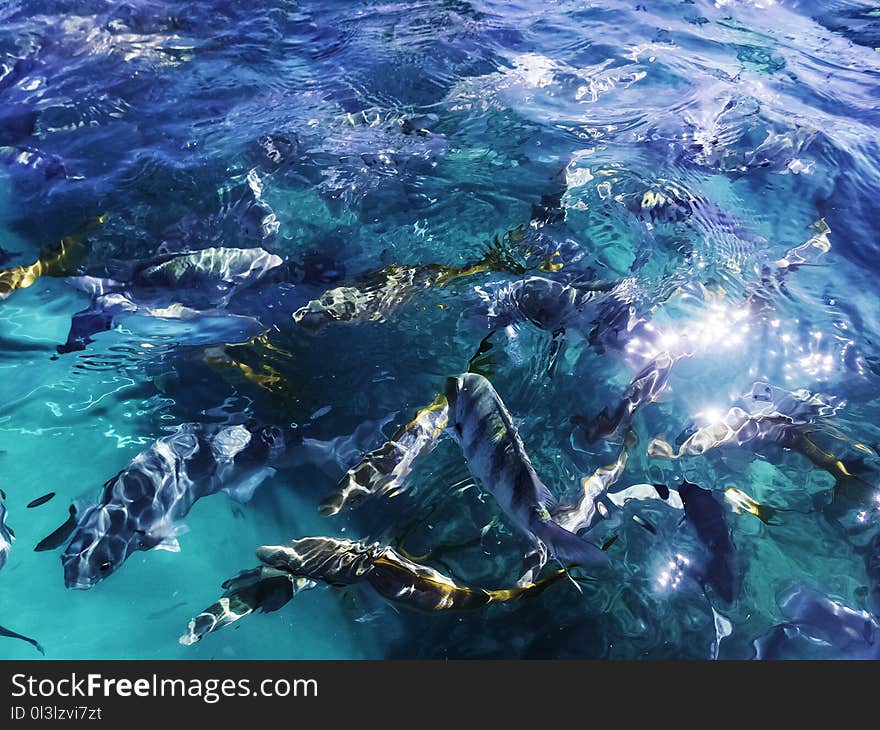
708, 150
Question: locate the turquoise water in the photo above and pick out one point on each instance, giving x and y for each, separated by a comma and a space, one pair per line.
690, 146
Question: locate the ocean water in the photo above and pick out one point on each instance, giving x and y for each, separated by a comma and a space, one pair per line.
688, 147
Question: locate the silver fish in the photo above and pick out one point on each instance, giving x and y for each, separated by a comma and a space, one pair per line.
189, 288
384, 469
814, 619
496, 457
260, 589
342, 562
140, 507
579, 516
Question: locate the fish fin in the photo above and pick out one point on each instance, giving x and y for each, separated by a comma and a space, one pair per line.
94, 285
557, 347
58, 536
167, 540
572, 580
565, 545
170, 543
83, 325
482, 362
243, 490
533, 563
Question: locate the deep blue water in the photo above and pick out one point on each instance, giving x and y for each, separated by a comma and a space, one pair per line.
688, 146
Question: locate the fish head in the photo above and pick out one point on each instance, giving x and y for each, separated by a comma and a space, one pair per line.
104, 538
544, 302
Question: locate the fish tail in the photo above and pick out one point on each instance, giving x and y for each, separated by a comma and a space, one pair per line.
566, 546
513, 594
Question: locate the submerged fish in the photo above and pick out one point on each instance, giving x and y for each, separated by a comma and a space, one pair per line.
259, 589
646, 387
817, 620
706, 514
770, 415
601, 311
59, 262
496, 457
140, 507
189, 288
344, 562
40, 500
374, 295
580, 515
668, 346
6, 533
384, 469
741, 502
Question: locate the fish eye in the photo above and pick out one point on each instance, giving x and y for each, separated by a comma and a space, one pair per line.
105, 566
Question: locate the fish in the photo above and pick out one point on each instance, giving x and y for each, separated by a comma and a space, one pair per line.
165, 611
191, 288
646, 387
741, 502
772, 415
652, 380
6, 533
263, 589
40, 500
222, 268
807, 253
496, 457
664, 202
706, 514
642, 492
814, 619
384, 469
59, 262
579, 516
555, 306
140, 508
373, 296
340, 562
9, 634
253, 361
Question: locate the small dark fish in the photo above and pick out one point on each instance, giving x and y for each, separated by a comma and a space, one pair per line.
642, 522
13, 635
40, 500
59, 536
706, 514
609, 542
